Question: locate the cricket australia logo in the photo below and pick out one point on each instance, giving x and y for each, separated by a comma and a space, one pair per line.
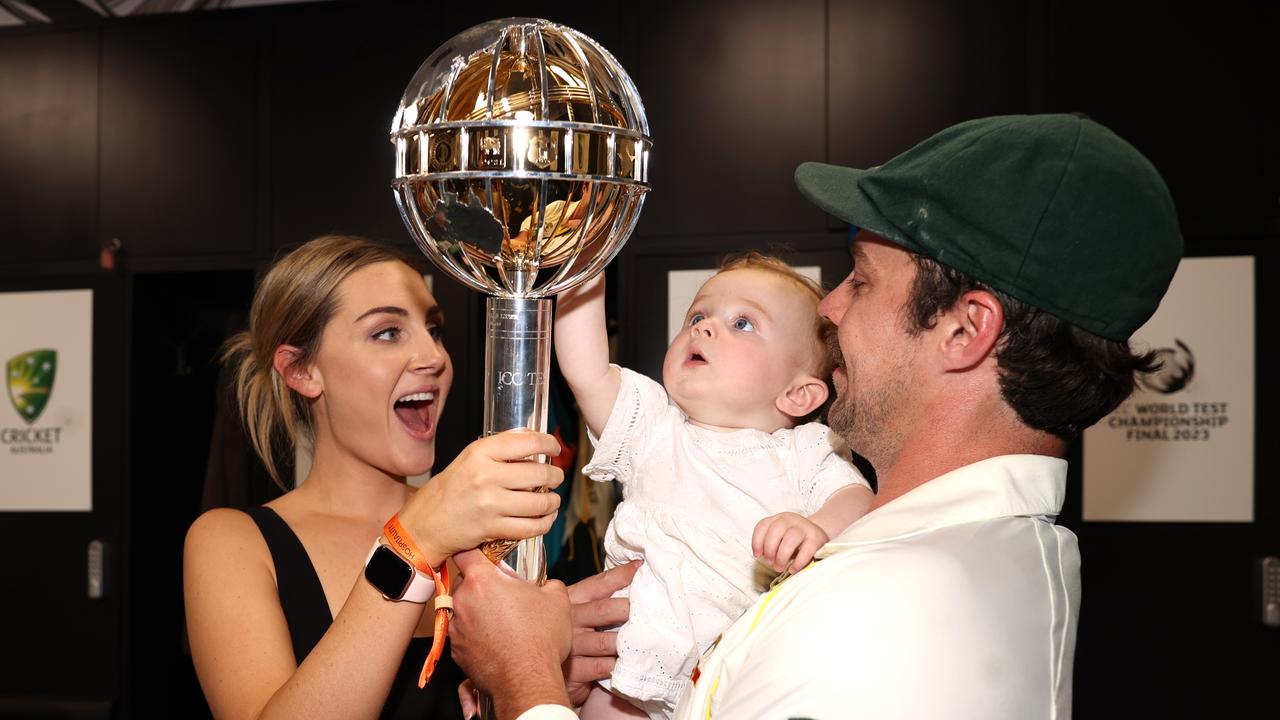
29, 377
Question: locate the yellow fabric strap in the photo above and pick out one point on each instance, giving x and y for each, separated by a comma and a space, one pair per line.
768, 598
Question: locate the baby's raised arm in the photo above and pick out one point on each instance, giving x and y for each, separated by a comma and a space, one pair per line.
582, 350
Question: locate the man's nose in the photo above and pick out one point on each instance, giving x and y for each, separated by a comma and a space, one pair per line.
832, 306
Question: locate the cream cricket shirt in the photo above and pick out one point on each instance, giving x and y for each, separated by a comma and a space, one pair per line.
957, 600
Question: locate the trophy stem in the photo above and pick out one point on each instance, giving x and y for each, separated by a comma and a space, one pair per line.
517, 365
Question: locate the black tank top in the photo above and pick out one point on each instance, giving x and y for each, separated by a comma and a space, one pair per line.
307, 612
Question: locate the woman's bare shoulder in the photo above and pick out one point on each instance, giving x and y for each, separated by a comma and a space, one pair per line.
226, 534
220, 523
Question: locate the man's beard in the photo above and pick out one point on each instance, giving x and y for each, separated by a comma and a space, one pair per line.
869, 424
840, 415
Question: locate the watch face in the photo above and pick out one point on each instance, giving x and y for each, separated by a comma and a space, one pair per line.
388, 572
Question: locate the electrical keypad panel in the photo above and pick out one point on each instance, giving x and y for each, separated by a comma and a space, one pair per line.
1269, 579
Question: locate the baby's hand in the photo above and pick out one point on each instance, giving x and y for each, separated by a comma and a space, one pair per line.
787, 540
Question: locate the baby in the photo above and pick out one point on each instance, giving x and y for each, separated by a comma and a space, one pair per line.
718, 466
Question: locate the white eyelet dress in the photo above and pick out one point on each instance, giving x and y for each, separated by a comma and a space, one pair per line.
691, 500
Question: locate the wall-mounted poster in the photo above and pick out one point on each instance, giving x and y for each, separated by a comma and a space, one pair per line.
1181, 448
46, 433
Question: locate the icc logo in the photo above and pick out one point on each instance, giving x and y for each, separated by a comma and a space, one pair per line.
1177, 368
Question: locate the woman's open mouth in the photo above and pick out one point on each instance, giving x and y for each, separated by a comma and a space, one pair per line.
417, 415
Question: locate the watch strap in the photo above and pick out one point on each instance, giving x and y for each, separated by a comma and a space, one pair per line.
404, 545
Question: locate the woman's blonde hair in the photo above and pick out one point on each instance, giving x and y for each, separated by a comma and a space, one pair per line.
292, 305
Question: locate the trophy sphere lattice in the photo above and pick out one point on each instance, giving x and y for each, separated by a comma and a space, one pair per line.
522, 154
521, 166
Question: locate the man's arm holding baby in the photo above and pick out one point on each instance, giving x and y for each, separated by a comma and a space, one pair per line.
582, 351
788, 541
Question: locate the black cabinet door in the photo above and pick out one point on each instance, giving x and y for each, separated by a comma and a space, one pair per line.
62, 648
48, 147
1174, 608
178, 136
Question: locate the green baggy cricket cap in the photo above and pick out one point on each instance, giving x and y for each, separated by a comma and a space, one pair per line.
1055, 210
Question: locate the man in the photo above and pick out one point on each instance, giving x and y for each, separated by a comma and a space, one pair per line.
999, 270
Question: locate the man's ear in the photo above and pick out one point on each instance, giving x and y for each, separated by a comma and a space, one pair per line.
804, 396
970, 330
302, 379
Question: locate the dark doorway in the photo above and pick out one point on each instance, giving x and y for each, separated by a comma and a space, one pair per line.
179, 324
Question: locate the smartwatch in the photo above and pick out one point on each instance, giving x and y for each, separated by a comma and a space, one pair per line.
395, 577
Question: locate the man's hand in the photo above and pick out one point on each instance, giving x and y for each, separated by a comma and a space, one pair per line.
787, 541
510, 636
595, 650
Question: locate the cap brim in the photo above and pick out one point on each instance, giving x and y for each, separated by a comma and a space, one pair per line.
836, 190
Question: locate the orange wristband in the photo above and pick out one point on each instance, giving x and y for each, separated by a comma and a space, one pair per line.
405, 547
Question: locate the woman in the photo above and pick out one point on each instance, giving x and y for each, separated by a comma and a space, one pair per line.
343, 353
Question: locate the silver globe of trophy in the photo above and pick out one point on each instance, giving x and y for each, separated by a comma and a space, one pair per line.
522, 157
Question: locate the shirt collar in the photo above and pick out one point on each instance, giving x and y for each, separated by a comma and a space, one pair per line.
1003, 486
